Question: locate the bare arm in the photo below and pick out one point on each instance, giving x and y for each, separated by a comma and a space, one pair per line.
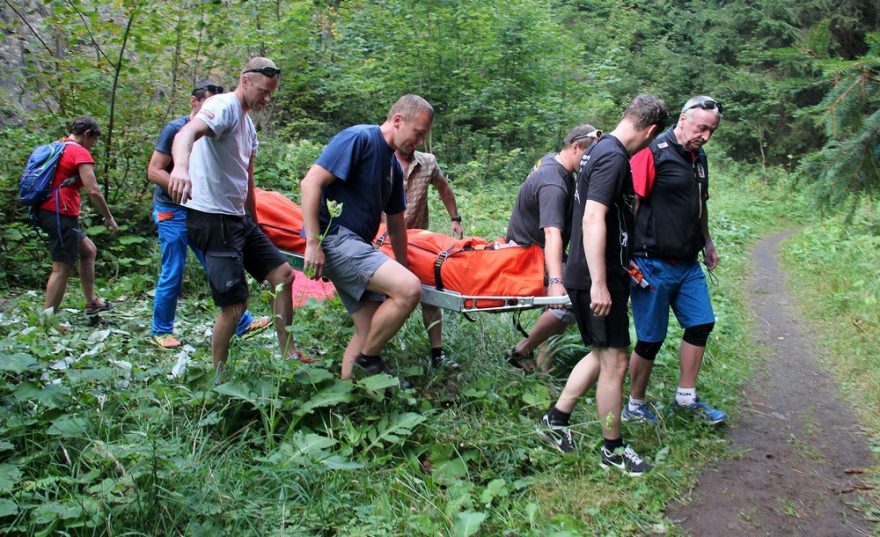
594, 250
156, 169
396, 224
447, 196
553, 260
90, 183
311, 186
179, 183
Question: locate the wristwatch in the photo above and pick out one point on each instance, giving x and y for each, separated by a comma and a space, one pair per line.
456, 218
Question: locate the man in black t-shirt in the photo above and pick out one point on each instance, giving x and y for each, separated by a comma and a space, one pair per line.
598, 283
542, 216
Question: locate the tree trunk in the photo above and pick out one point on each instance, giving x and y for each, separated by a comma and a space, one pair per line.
117, 70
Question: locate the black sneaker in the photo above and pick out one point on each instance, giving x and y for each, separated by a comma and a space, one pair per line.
379, 366
557, 436
624, 459
444, 361
519, 360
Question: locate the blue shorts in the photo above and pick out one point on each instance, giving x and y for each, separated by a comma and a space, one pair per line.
679, 285
349, 263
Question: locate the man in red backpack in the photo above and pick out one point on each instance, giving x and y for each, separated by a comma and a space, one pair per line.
59, 217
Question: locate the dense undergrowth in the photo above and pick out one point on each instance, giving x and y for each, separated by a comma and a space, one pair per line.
104, 434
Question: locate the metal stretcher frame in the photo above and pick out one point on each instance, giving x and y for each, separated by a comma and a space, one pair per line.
454, 301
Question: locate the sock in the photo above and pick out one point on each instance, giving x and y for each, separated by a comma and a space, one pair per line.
635, 404
612, 444
558, 417
686, 396
367, 361
436, 353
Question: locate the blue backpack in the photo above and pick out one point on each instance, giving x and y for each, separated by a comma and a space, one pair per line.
35, 184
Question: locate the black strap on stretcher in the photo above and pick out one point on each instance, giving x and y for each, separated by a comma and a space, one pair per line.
438, 280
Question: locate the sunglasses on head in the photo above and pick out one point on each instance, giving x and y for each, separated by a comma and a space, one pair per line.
266, 71
596, 134
708, 104
210, 88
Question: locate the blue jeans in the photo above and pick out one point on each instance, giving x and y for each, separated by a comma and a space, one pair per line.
173, 241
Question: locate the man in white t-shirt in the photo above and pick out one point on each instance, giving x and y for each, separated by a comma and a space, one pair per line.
213, 177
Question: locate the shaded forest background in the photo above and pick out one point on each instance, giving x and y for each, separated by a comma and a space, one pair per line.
799, 81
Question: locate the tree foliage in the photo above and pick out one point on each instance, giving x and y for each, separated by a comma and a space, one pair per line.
508, 79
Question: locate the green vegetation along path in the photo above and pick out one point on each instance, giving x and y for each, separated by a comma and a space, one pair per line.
800, 456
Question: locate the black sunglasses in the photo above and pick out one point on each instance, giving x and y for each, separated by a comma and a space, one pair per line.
266, 71
708, 104
211, 88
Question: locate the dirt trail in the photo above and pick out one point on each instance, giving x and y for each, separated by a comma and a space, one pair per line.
799, 441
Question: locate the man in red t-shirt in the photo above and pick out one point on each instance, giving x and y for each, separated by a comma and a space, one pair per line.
59, 217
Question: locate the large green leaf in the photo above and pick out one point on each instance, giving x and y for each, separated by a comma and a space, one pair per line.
339, 392
467, 523
237, 390
7, 507
9, 476
18, 362
394, 429
68, 427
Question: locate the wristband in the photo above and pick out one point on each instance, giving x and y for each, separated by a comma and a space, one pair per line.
551, 281
456, 218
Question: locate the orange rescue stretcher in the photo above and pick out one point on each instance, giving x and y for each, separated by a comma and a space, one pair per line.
465, 275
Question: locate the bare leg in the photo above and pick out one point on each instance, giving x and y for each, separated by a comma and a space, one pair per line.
433, 320
224, 327
639, 375
403, 290
87, 254
57, 284
609, 389
690, 358
282, 307
579, 381
361, 319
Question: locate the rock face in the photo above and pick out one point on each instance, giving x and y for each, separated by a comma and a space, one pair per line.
18, 40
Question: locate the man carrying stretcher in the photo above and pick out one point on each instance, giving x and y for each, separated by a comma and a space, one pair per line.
359, 170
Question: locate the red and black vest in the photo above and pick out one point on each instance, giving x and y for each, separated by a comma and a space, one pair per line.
668, 220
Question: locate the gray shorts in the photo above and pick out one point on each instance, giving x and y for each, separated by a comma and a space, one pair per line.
349, 263
563, 314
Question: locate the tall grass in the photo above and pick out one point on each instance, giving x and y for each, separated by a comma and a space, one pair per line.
271, 448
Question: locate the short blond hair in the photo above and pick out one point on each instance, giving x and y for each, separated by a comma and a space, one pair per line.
409, 106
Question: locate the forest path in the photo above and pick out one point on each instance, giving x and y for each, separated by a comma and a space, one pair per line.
801, 452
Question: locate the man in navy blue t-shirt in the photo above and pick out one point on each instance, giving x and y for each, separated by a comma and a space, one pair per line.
358, 170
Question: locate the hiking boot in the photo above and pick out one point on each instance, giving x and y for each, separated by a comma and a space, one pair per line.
96, 307
519, 360
379, 366
445, 361
643, 413
166, 341
557, 436
624, 459
257, 325
708, 414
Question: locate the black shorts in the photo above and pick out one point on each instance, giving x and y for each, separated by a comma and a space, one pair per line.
611, 331
231, 245
64, 235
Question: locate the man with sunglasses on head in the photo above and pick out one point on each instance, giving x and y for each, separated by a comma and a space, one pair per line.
213, 176
170, 220
671, 180
542, 216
